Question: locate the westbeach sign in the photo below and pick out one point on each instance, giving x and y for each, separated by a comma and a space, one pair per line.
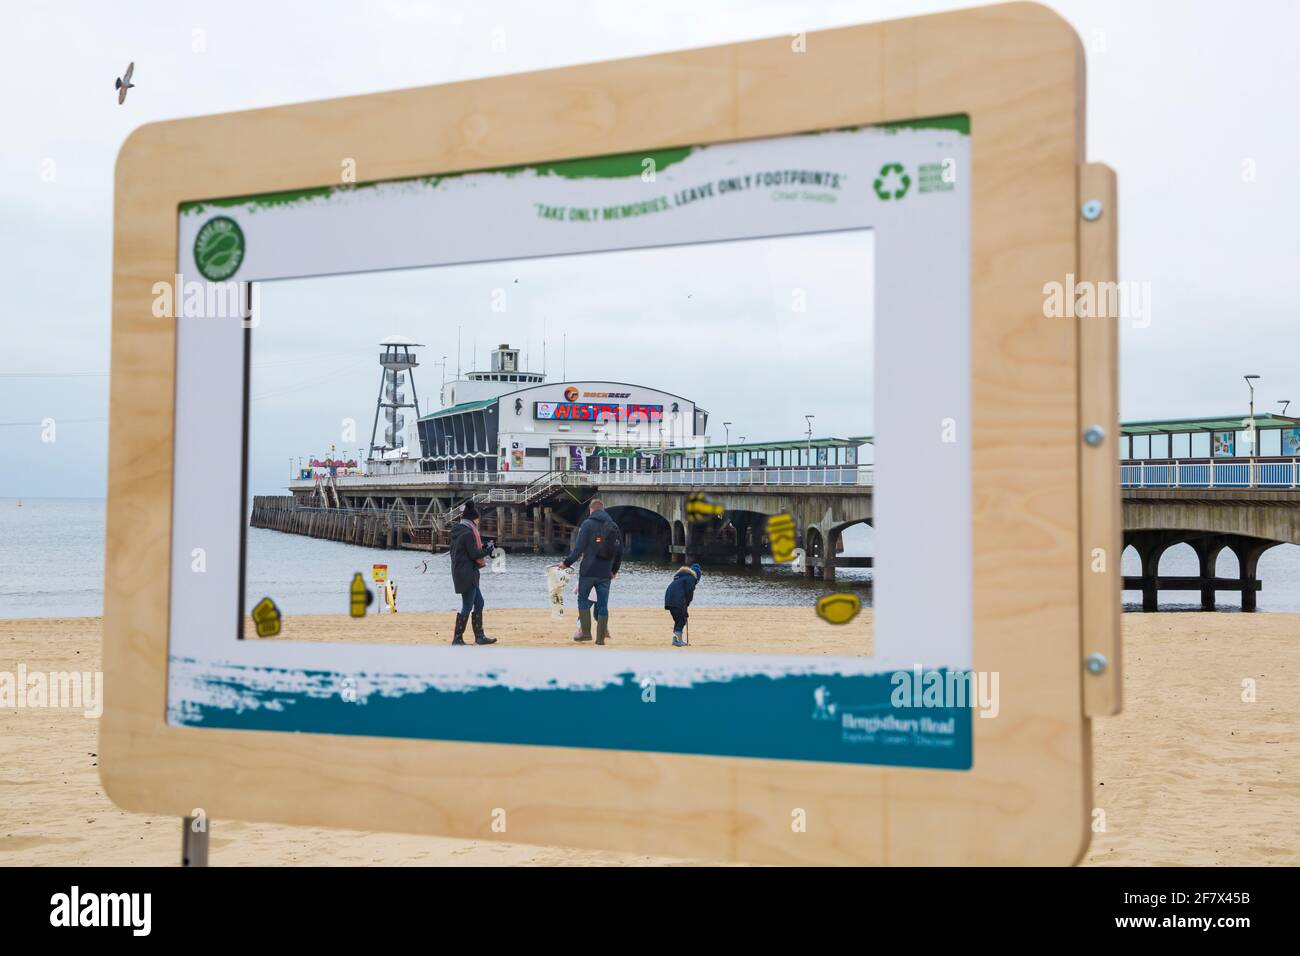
593, 412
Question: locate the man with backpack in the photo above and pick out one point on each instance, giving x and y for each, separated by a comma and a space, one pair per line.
600, 545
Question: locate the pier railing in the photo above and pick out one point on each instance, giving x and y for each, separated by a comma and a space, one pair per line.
825, 475
1229, 473
686, 477
516, 486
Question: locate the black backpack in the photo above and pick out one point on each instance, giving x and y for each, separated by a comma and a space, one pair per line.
609, 541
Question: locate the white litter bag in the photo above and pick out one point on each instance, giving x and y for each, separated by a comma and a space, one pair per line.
557, 582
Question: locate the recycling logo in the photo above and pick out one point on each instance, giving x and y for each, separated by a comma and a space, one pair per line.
893, 181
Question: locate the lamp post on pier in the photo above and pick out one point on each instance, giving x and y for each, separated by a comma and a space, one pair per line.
1250, 422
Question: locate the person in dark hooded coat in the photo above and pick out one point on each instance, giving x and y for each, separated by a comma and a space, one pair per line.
469, 552
678, 597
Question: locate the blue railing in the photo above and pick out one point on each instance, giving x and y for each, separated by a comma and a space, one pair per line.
773, 475
1228, 473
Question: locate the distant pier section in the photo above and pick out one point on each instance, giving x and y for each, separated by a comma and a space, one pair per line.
531, 453
1227, 484
415, 510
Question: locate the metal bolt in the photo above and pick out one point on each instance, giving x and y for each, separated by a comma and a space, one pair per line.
1096, 663
1094, 436
1092, 210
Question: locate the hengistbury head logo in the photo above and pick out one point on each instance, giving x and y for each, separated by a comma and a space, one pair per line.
219, 248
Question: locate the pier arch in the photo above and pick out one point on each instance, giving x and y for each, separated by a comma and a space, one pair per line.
1210, 548
750, 530
1168, 559
1224, 561
646, 533
822, 555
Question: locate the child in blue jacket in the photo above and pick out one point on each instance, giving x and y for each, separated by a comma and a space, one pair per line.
678, 598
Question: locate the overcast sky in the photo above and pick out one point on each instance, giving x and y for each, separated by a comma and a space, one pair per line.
714, 323
1194, 103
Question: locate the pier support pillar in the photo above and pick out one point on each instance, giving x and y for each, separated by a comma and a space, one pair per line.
1248, 555
1207, 556
812, 538
756, 545
1150, 556
742, 527
677, 538
828, 562
548, 529
694, 542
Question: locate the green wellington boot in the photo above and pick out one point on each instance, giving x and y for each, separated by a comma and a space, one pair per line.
602, 629
584, 621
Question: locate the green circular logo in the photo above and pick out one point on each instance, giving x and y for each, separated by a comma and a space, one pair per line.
219, 248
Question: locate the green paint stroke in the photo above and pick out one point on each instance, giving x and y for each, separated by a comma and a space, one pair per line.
262, 200
957, 122
620, 166
606, 167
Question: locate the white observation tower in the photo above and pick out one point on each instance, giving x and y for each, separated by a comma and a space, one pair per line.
398, 363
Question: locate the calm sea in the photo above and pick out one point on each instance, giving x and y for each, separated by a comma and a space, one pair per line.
52, 565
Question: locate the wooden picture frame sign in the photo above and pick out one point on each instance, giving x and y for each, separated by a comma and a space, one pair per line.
1042, 500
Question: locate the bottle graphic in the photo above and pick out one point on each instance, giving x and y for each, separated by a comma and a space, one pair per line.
360, 596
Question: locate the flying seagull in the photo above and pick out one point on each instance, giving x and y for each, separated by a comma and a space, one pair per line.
123, 83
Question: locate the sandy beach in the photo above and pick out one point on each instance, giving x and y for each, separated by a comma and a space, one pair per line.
768, 630
1188, 774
